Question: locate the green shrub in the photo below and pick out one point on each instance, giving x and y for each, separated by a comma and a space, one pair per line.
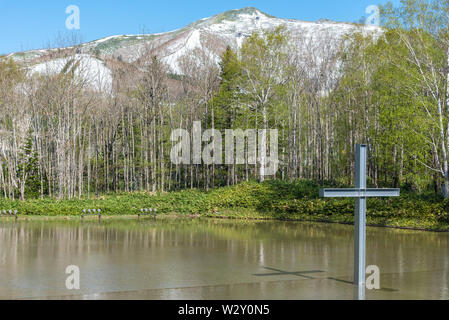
273, 198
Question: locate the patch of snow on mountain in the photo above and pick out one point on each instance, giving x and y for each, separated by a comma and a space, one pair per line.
91, 71
182, 48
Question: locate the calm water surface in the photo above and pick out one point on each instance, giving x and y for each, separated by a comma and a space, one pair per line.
212, 259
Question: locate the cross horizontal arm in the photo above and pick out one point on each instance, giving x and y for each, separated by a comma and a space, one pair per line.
359, 193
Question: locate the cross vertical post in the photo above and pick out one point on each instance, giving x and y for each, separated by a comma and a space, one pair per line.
360, 216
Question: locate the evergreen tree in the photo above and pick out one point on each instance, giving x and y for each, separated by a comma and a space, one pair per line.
28, 170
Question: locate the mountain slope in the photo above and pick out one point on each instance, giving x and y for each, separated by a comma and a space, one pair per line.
211, 35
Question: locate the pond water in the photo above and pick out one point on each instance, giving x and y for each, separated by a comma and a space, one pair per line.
215, 259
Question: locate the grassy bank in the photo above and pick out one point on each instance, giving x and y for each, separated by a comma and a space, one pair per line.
269, 200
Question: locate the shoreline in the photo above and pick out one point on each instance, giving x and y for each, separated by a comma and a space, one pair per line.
444, 229
270, 200
174, 216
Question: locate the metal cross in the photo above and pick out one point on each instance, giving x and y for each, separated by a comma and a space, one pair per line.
360, 193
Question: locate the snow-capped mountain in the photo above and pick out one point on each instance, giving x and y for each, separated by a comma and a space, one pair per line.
212, 35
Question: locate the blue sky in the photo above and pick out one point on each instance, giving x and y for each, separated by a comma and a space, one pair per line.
30, 24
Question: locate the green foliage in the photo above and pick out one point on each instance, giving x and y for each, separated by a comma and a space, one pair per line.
271, 199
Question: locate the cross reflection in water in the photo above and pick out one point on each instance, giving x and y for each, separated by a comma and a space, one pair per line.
360, 294
286, 273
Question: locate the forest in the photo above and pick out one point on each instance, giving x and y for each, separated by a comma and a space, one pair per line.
61, 139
